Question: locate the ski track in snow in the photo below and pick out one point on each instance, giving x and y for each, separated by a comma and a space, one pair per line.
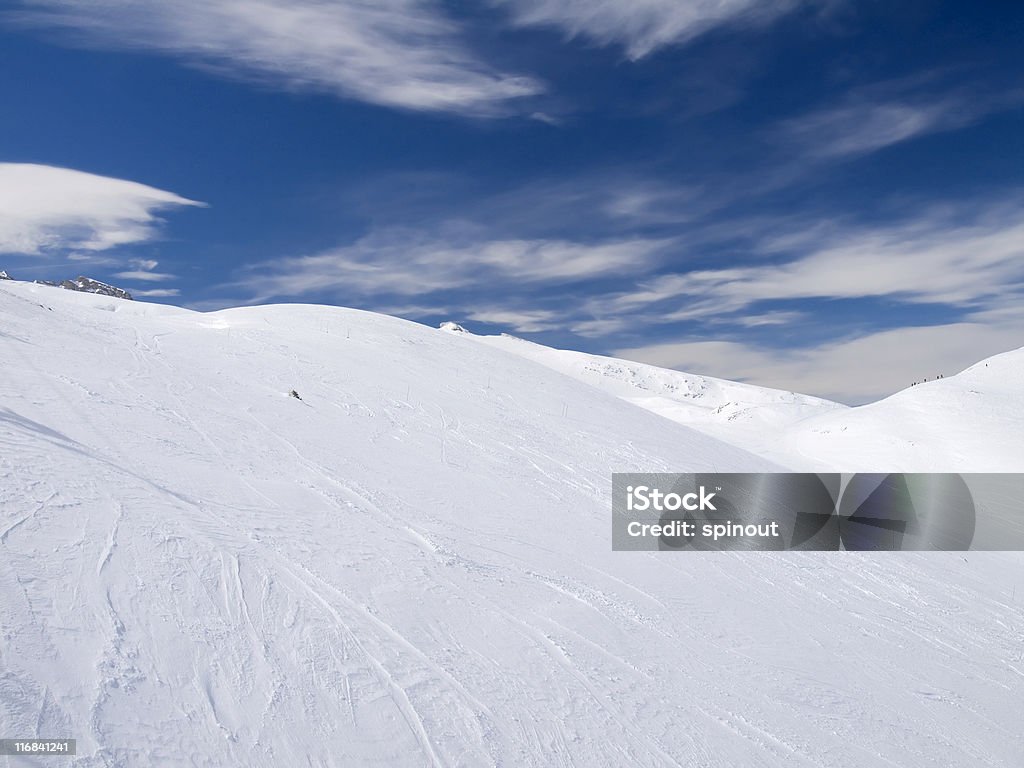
411, 566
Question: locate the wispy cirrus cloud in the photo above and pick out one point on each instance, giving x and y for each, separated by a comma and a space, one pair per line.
938, 258
402, 264
157, 293
45, 209
641, 26
396, 53
148, 277
144, 271
881, 115
611, 202
521, 321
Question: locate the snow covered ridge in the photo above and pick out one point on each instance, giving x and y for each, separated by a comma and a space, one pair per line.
972, 422
411, 565
82, 284
697, 398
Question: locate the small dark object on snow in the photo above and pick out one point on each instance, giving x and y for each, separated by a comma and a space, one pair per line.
294, 394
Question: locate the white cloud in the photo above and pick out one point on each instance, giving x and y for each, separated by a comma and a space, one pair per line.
651, 203
43, 208
858, 129
144, 271
92, 258
766, 319
410, 264
933, 259
140, 274
398, 53
157, 293
521, 321
884, 114
642, 26
594, 328
853, 371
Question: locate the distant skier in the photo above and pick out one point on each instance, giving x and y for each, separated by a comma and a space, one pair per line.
294, 394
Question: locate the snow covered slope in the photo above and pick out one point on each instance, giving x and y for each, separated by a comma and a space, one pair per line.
742, 414
972, 422
411, 565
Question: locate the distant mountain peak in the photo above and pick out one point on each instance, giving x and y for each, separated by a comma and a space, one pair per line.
448, 325
89, 285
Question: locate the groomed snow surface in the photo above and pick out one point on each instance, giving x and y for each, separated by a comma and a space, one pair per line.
410, 564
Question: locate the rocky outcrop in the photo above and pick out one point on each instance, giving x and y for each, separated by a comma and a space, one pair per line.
88, 285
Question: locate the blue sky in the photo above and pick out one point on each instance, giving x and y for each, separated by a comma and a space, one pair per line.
819, 195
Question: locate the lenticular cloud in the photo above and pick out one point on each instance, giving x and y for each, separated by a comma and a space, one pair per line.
44, 208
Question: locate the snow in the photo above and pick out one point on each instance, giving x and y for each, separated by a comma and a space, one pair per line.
971, 422
742, 414
411, 565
